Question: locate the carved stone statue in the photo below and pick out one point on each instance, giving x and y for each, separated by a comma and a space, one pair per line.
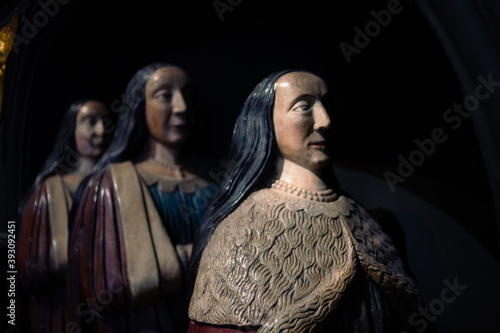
43, 239
282, 249
137, 216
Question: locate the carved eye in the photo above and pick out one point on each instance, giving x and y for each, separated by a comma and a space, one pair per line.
303, 107
164, 95
93, 121
89, 120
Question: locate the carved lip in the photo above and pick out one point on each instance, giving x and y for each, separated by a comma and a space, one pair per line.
180, 126
321, 144
98, 143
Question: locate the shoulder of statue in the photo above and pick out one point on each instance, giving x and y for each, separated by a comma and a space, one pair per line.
35, 198
124, 177
377, 254
114, 171
262, 199
50, 180
56, 178
121, 167
57, 188
270, 240
105, 180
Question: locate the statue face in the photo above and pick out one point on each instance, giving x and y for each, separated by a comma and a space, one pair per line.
302, 120
169, 112
89, 129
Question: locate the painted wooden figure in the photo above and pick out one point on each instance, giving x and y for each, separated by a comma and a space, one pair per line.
282, 249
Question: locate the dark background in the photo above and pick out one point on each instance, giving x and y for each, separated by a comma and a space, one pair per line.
393, 92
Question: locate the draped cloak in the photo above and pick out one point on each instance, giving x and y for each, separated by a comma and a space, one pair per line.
130, 247
281, 262
42, 255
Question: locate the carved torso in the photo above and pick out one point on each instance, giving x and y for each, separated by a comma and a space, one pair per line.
42, 253
281, 261
135, 230
181, 203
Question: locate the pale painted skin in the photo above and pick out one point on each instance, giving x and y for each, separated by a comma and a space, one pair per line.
90, 139
168, 111
89, 130
302, 122
169, 116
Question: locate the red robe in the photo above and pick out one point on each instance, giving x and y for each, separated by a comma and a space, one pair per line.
126, 274
42, 255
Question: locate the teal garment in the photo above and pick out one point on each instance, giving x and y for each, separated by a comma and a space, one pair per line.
182, 212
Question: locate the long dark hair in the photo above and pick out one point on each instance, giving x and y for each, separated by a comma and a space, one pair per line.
64, 157
60, 159
131, 131
252, 157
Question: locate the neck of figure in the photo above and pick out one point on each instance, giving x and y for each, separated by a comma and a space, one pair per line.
302, 177
86, 165
165, 157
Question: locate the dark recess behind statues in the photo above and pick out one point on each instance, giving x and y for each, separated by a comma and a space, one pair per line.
395, 91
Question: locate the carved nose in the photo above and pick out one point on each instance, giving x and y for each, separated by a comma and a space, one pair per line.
179, 103
322, 119
99, 129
